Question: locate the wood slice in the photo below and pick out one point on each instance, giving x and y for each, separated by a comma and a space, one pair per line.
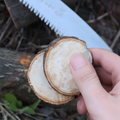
41, 86
57, 63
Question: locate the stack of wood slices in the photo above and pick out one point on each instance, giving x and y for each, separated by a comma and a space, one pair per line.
49, 74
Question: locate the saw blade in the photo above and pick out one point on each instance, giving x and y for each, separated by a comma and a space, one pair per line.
64, 21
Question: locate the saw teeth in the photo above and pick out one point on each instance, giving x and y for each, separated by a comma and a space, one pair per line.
50, 25
53, 28
29, 7
24, 2
47, 22
37, 13
32, 9
42, 18
56, 30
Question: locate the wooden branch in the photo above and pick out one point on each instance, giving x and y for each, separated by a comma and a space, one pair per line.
115, 40
6, 26
20, 14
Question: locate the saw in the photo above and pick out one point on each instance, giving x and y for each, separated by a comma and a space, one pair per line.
64, 21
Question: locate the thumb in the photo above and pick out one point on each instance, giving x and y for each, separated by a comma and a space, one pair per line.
86, 79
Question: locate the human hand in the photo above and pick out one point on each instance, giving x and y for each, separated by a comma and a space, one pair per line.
99, 85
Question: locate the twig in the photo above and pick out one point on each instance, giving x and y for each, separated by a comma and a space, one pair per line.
1, 21
72, 116
48, 29
19, 43
43, 115
112, 17
98, 18
39, 47
11, 40
115, 39
4, 115
6, 26
83, 2
77, 7
102, 16
34, 38
7, 113
114, 20
31, 116
40, 114
22, 37
10, 112
10, 31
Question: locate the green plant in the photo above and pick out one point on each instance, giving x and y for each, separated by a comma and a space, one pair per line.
16, 105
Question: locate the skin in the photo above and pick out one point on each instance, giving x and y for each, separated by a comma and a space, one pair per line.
99, 84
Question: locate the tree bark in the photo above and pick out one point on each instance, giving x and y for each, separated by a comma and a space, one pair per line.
13, 79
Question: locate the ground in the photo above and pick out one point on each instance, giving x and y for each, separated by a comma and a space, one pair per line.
102, 15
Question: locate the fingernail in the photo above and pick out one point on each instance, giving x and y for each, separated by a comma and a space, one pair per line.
77, 61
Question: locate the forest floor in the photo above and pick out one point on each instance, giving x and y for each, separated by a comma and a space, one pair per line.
102, 15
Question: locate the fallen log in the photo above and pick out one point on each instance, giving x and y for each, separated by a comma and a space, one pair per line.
12, 76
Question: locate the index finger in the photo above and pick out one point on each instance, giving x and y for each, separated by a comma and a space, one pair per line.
108, 60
